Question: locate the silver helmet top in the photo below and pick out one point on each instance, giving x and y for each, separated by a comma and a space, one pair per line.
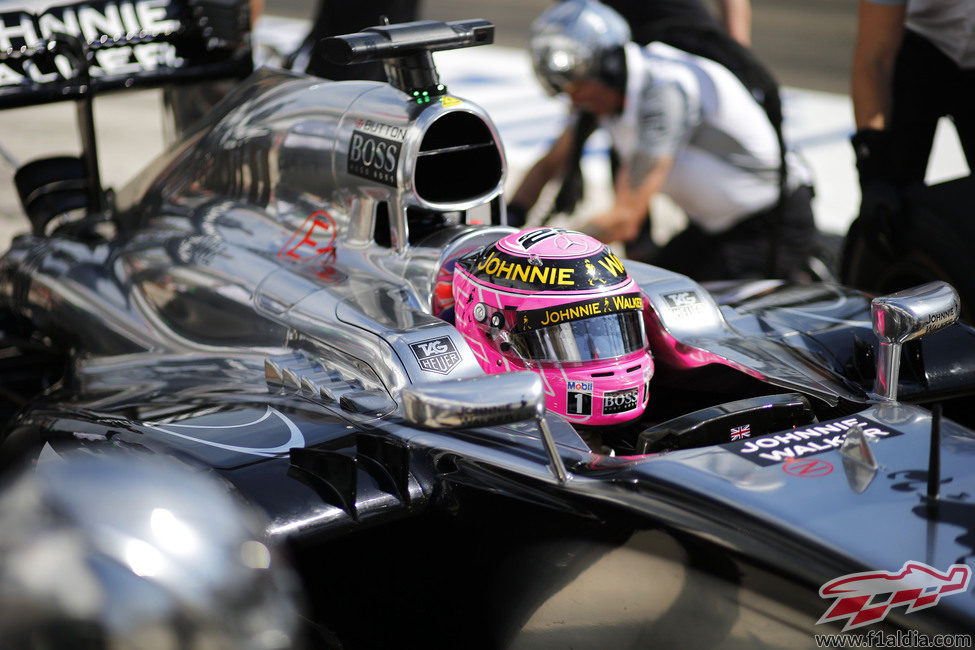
578, 39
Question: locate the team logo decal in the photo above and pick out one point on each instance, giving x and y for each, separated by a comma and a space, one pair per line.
578, 397
381, 129
436, 355
121, 30
373, 157
495, 266
267, 427
315, 237
807, 468
774, 449
620, 401
535, 318
684, 304
867, 597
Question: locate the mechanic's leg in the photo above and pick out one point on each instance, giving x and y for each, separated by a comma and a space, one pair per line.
742, 251
963, 114
921, 91
694, 253
797, 234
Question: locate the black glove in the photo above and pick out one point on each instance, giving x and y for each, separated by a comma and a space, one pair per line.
873, 151
880, 201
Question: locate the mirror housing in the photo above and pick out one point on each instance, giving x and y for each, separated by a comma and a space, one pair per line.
904, 316
483, 401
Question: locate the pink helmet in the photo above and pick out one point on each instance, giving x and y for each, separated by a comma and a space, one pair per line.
561, 304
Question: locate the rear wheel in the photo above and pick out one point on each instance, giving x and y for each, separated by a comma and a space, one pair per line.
932, 239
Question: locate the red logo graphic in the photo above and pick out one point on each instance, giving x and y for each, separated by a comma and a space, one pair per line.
315, 237
916, 585
809, 468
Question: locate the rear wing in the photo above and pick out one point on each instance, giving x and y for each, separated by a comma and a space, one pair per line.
130, 43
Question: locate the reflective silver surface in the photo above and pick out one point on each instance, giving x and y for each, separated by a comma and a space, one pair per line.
689, 330
136, 552
904, 316
481, 402
476, 402
262, 229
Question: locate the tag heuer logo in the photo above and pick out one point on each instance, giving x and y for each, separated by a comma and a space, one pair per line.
436, 355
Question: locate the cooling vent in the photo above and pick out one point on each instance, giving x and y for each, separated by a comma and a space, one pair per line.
458, 161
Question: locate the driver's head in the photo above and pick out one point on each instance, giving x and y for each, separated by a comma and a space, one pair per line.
561, 304
577, 47
132, 552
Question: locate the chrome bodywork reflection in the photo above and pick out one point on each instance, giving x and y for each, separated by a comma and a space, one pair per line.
478, 402
137, 551
904, 316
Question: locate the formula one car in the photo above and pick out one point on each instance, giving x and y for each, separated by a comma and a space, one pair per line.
269, 302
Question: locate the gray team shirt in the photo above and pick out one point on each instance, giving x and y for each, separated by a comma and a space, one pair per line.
725, 151
948, 24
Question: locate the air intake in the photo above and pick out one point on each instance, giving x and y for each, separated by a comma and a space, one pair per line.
458, 160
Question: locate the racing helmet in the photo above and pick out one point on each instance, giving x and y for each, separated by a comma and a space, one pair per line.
579, 39
561, 304
125, 551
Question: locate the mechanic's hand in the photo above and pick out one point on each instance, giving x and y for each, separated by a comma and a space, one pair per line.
873, 150
880, 208
614, 225
880, 201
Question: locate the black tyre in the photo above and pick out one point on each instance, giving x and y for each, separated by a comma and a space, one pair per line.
932, 239
50, 187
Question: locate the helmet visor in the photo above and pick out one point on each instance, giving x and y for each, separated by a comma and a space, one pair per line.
597, 338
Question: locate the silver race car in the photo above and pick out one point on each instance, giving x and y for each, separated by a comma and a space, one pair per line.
267, 302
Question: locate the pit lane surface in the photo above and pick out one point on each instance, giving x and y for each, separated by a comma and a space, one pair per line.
498, 77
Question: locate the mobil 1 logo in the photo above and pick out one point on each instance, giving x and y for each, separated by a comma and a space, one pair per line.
436, 355
373, 157
578, 397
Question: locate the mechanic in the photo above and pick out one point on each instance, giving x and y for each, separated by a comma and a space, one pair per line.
685, 24
686, 126
913, 63
561, 304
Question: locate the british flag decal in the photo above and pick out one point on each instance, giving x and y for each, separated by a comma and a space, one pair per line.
744, 431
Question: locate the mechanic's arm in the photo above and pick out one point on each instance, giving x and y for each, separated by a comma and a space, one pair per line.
880, 28
638, 181
549, 166
257, 10
736, 16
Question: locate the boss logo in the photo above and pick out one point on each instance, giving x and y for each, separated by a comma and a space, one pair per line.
373, 157
436, 355
620, 401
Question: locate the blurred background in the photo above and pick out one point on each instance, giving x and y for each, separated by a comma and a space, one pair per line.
808, 45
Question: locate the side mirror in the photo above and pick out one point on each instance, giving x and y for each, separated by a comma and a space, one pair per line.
483, 401
904, 316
